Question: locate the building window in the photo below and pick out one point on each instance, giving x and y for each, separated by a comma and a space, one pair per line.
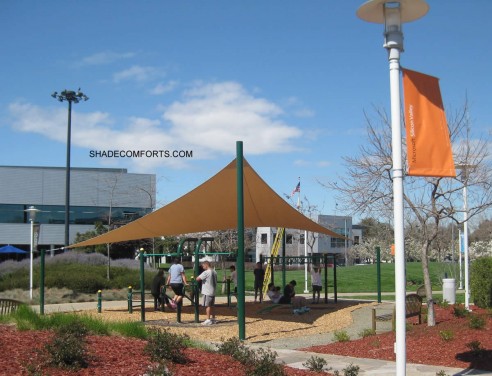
263, 238
356, 240
337, 243
301, 239
289, 239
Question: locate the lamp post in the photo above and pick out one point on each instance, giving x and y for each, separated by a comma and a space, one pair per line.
32, 217
465, 171
392, 14
71, 97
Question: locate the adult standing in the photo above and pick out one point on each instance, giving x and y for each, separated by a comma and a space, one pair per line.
209, 285
259, 273
232, 268
177, 280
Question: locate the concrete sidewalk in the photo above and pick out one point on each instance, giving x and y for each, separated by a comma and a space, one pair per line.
286, 348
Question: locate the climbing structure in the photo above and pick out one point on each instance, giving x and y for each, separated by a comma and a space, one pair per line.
274, 253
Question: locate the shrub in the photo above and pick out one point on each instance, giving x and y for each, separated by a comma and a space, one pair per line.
264, 363
476, 348
446, 335
441, 373
69, 348
459, 310
444, 304
164, 345
259, 363
476, 322
480, 281
341, 336
236, 349
350, 370
315, 364
367, 333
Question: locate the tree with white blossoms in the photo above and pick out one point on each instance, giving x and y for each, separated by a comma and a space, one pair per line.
480, 249
366, 186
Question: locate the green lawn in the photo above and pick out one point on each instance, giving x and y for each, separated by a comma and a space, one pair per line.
363, 278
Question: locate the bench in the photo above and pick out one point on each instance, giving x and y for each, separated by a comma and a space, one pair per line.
8, 306
413, 307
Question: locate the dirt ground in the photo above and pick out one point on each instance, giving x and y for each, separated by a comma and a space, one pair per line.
264, 321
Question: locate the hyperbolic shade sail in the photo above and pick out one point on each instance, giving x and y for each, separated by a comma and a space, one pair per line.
213, 206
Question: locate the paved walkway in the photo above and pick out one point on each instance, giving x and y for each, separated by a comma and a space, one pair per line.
285, 348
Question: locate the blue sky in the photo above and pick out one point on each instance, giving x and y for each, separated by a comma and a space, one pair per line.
291, 79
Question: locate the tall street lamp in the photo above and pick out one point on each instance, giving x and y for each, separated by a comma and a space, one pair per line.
71, 97
465, 173
32, 217
392, 14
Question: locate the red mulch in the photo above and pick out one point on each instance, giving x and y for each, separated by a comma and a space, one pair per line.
124, 356
111, 355
424, 343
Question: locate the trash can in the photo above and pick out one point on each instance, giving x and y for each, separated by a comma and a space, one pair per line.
449, 290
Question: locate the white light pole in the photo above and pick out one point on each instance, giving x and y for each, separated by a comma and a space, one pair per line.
465, 171
32, 217
306, 290
392, 14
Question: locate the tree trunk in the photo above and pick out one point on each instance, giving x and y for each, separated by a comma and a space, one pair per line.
431, 318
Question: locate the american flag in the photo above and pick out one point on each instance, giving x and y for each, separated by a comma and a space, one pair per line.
296, 189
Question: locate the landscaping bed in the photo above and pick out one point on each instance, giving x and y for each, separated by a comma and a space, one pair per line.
451, 343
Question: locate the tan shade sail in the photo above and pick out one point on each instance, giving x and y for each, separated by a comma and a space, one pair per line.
213, 206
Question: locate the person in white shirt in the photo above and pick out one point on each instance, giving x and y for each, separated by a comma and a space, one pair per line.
316, 283
209, 285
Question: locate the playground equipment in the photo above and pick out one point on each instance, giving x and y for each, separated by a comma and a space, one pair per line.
194, 246
273, 254
328, 261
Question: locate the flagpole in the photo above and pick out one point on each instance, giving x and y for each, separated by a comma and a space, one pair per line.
305, 239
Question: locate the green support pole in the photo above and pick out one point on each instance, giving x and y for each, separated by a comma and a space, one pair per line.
194, 286
335, 293
325, 261
378, 271
284, 281
241, 316
228, 291
272, 271
99, 301
142, 286
41, 284
130, 299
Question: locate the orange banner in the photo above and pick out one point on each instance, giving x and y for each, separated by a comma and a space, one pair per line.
429, 150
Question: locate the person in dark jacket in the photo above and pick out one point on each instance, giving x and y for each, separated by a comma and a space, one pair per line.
157, 283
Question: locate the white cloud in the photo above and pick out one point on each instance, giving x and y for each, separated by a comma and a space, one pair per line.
138, 73
106, 57
208, 120
214, 116
162, 88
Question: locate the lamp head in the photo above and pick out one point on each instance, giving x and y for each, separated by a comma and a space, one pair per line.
32, 213
392, 14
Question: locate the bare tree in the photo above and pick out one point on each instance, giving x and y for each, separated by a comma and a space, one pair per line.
366, 185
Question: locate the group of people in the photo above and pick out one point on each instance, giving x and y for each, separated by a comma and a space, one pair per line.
176, 280
207, 279
289, 294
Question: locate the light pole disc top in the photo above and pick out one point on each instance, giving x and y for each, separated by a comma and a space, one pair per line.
411, 10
